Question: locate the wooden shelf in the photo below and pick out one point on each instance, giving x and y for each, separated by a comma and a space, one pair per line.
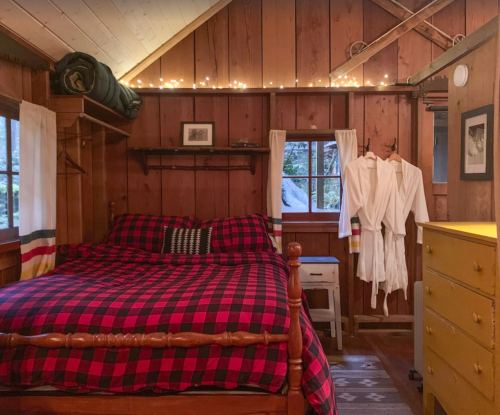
145, 152
379, 90
86, 105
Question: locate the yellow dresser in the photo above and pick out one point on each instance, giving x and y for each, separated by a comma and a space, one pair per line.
461, 335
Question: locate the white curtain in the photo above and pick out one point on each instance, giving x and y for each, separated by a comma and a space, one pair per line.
277, 140
37, 189
347, 144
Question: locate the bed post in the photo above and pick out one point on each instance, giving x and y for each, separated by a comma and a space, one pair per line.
295, 396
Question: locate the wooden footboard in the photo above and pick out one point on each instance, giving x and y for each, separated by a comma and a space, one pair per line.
295, 398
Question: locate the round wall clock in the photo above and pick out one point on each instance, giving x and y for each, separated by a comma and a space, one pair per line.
460, 76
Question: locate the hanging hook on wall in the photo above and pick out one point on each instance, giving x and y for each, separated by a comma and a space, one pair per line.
368, 146
394, 147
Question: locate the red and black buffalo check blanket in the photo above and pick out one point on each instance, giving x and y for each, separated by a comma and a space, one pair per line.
109, 289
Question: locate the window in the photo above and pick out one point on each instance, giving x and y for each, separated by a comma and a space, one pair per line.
311, 187
9, 175
440, 171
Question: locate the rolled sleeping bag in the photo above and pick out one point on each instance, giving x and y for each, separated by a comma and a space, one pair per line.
81, 74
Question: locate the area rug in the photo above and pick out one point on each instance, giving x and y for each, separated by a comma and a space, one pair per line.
363, 387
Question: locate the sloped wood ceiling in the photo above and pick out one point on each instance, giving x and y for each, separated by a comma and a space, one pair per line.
119, 33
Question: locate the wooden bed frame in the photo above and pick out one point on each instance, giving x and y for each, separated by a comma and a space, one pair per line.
181, 404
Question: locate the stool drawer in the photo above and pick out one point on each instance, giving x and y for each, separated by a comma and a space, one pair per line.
318, 273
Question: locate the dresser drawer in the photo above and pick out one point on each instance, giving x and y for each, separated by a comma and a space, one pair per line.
469, 262
472, 312
452, 389
318, 272
471, 360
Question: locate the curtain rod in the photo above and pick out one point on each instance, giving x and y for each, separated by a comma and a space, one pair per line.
15, 100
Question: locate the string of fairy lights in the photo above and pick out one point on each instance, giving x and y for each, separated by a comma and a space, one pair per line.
340, 82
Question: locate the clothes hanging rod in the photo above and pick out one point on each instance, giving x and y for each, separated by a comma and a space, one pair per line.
105, 125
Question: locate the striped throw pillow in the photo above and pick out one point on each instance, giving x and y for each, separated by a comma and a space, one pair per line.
186, 241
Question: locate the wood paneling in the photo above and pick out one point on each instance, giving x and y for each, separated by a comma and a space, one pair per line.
245, 42
278, 51
212, 45
467, 200
313, 42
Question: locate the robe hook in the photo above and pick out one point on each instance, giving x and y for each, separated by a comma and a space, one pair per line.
394, 146
368, 146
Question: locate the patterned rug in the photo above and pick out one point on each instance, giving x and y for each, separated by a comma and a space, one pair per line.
363, 387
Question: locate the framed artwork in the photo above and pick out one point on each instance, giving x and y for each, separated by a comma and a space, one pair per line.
477, 144
197, 133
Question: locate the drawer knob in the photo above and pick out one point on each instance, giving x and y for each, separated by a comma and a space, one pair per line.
476, 318
430, 370
428, 330
476, 266
428, 249
477, 368
427, 290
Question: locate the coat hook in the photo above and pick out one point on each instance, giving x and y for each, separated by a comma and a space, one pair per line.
368, 146
394, 146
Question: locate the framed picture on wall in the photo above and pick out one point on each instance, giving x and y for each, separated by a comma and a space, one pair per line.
477, 144
197, 133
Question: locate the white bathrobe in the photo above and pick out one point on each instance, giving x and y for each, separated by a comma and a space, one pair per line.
412, 198
371, 193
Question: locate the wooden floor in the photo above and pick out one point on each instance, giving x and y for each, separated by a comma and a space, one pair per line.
395, 351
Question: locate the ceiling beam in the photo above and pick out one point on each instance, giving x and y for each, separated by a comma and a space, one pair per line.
390, 36
469, 44
169, 44
426, 29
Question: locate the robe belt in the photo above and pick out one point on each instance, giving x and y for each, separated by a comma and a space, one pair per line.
371, 228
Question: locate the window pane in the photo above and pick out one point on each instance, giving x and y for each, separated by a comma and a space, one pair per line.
296, 161
4, 202
325, 159
3, 143
15, 198
15, 144
295, 195
325, 195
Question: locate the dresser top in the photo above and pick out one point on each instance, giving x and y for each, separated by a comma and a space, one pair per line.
486, 231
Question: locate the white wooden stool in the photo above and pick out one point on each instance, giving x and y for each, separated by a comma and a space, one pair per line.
322, 273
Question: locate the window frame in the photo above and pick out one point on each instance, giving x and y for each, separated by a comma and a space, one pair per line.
12, 232
311, 216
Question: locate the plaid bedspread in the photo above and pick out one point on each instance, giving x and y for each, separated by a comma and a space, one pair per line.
108, 289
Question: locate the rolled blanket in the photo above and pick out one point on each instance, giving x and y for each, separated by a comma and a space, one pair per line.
81, 74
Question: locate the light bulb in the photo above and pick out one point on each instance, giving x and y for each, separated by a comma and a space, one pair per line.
161, 79
182, 80
310, 84
235, 82
386, 76
281, 86
139, 81
132, 86
345, 77
319, 80
161, 87
296, 80
151, 85
122, 81
340, 76
126, 83
213, 87
208, 79
270, 83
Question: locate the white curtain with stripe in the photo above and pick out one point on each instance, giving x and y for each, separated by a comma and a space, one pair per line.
277, 140
37, 189
347, 143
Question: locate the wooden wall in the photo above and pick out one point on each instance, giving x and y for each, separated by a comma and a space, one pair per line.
289, 43
470, 200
